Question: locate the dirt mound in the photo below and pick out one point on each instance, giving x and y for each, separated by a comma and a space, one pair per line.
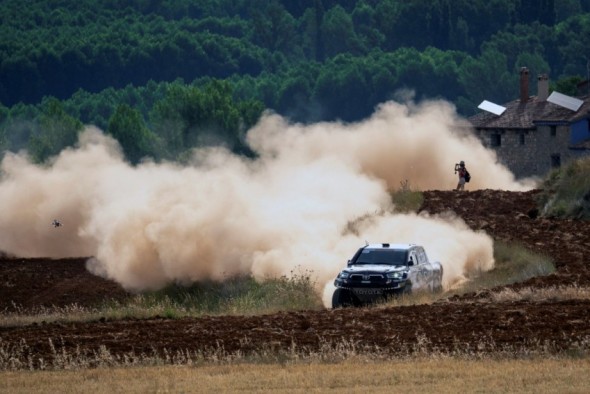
30, 284
467, 322
514, 217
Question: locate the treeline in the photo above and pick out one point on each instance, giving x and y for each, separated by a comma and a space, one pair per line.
166, 76
162, 122
55, 48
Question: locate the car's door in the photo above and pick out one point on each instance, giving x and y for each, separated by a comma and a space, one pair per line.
420, 270
414, 270
426, 269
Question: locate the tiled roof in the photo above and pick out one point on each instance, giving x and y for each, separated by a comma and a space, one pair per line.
524, 116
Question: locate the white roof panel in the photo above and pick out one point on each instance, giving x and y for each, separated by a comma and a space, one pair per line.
564, 101
491, 107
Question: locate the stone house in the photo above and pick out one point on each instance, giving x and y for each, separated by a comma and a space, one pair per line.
533, 134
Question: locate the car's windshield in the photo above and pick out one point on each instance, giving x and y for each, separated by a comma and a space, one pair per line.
380, 256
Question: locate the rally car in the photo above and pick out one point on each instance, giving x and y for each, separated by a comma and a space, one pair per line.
378, 271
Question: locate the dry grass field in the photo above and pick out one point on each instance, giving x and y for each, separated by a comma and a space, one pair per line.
431, 375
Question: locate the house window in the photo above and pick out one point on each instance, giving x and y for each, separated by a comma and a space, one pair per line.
556, 160
521, 138
553, 131
496, 140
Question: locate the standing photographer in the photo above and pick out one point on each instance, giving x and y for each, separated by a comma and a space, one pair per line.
463, 174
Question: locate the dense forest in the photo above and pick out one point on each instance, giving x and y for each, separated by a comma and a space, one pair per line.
165, 76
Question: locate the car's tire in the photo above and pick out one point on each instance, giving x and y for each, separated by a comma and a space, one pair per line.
438, 288
342, 298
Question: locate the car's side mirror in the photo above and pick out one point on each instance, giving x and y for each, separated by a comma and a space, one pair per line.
410, 262
348, 263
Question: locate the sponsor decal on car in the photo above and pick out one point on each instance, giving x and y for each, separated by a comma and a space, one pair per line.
367, 291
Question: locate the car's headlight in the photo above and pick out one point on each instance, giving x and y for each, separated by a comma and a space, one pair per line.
395, 275
343, 275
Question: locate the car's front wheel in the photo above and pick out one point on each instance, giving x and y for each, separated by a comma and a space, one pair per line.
342, 298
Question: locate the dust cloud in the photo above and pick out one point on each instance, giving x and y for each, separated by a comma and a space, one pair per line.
221, 215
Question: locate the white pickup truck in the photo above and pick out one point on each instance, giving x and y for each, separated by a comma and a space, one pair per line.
378, 271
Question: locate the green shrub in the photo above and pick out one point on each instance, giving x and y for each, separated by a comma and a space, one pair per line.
513, 263
241, 295
566, 191
237, 296
405, 199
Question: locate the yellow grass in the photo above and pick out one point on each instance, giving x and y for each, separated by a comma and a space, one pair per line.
559, 375
532, 294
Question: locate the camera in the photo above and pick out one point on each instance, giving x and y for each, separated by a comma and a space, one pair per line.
457, 167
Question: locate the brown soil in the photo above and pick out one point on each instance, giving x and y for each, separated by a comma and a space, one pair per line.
468, 322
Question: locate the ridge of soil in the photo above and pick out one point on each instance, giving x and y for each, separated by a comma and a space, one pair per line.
467, 322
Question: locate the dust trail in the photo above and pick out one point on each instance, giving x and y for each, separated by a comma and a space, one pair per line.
222, 215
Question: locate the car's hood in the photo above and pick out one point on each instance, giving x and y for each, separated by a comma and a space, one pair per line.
374, 268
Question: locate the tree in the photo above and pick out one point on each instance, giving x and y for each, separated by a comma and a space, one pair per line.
342, 88
574, 48
197, 116
338, 33
295, 98
274, 29
128, 127
3, 118
488, 78
565, 9
568, 85
542, 11
364, 21
56, 130
534, 39
310, 25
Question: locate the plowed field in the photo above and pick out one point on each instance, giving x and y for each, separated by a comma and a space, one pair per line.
471, 321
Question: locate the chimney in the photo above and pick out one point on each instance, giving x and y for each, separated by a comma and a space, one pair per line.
542, 87
524, 85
